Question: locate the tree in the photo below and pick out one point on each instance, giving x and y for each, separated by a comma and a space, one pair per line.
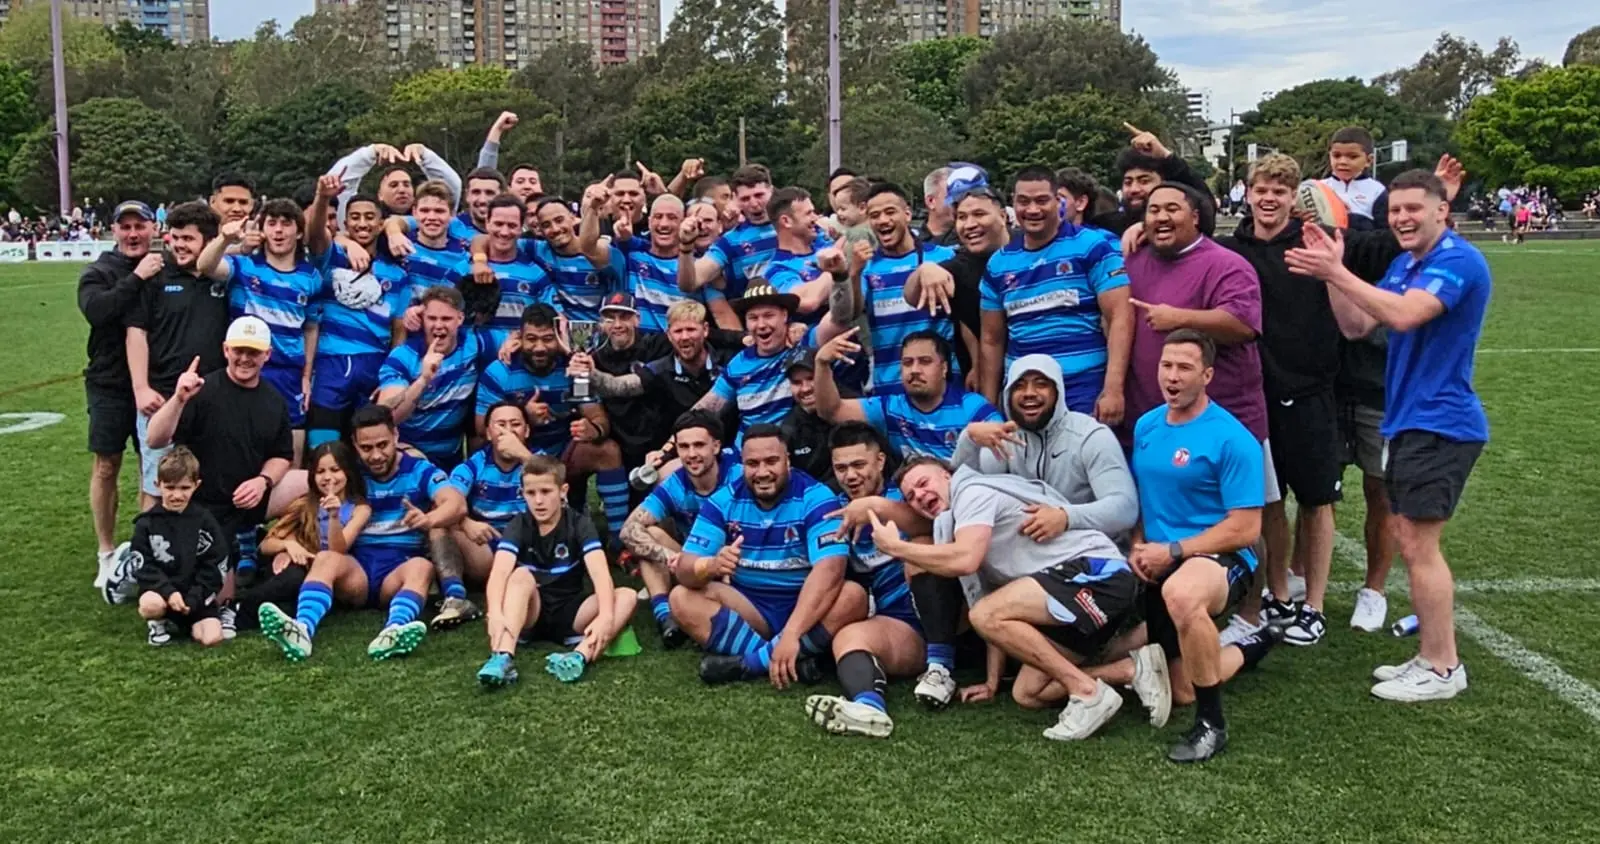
590, 107
136, 40
338, 43
931, 72
25, 39
699, 118
453, 122
1299, 121
1450, 75
121, 149
747, 33
289, 145
888, 136
1544, 130
19, 113
1063, 56
1083, 130
187, 83
869, 32
423, 86
1584, 48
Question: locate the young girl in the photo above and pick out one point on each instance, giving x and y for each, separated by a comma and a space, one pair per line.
328, 518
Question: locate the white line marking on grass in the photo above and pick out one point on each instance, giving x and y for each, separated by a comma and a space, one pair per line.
1530, 664
28, 421
1575, 351
1518, 586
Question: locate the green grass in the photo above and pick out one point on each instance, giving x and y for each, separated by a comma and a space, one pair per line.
108, 739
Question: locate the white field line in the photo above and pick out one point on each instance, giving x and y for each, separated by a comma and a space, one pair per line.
1570, 351
1515, 586
1532, 665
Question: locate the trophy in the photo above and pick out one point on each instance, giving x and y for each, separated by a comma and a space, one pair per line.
581, 339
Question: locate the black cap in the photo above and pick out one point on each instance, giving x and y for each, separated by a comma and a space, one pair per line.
133, 206
619, 301
801, 359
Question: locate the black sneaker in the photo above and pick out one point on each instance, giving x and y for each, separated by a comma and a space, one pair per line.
716, 669
808, 670
1278, 613
1308, 628
672, 636
1203, 742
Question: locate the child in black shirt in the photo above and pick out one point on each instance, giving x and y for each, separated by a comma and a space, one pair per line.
180, 554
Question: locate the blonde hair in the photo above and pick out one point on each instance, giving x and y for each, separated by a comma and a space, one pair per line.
667, 200
1275, 167
687, 310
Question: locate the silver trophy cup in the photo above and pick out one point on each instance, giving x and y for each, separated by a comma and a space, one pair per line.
581, 337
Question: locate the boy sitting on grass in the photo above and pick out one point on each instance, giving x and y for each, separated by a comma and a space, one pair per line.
535, 589
179, 556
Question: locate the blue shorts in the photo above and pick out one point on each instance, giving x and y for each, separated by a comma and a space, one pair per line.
897, 605
344, 382
1083, 389
775, 607
149, 458
379, 563
286, 380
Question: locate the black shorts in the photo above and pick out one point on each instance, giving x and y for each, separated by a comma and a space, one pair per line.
1304, 433
185, 622
1158, 624
558, 617
1090, 613
1426, 473
113, 420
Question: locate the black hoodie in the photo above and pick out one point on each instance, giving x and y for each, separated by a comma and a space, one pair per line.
179, 553
107, 291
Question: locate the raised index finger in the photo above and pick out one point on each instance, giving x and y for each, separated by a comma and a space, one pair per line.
1132, 128
1138, 304
194, 365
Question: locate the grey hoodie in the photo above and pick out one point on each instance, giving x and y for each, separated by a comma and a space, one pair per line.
998, 501
1077, 456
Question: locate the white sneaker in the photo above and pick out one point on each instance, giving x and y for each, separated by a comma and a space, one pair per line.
1083, 717
159, 633
1238, 628
1152, 683
228, 617
1297, 588
1385, 673
1372, 610
1422, 684
106, 560
935, 687
844, 717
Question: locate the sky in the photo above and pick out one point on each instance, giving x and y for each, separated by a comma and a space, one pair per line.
1240, 49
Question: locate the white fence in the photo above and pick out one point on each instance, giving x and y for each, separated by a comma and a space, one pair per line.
54, 250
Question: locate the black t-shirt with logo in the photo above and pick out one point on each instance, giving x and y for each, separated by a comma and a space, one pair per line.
556, 557
183, 317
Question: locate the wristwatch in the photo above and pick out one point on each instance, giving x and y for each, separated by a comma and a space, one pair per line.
1175, 550
270, 484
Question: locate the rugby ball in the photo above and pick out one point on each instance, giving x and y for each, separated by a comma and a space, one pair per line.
1319, 200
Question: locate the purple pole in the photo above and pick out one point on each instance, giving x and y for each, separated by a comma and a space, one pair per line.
58, 70
835, 155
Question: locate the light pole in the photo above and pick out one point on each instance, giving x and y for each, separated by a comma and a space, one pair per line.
835, 154
59, 71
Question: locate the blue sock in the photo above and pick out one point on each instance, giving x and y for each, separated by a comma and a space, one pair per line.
613, 487
731, 635
246, 540
944, 655
318, 436
759, 659
659, 608
816, 640
872, 699
452, 587
315, 599
403, 608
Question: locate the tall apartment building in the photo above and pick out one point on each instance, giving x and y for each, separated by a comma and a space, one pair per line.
925, 19
510, 33
182, 21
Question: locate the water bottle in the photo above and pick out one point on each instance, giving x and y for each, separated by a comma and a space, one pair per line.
1404, 627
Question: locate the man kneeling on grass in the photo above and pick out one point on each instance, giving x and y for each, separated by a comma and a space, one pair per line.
1053, 605
535, 589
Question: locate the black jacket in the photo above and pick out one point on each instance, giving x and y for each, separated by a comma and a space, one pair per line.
807, 437
179, 552
1174, 169
107, 291
1362, 362
634, 422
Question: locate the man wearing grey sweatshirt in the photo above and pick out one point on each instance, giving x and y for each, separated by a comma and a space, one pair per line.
1051, 602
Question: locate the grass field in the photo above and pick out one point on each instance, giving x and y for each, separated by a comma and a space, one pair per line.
108, 739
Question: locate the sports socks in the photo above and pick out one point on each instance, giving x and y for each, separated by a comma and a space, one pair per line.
403, 608
816, 640
1255, 648
863, 679
732, 635
944, 655
315, 599
938, 601
612, 485
246, 540
660, 609
452, 587
318, 436
1208, 705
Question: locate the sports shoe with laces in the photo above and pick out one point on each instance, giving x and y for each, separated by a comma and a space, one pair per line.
397, 640
1082, 717
454, 612
1308, 628
1279, 613
1422, 684
672, 636
1385, 673
497, 672
1152, 683
844, 717
290, 635
159, 633
1372, 610
1202, 742
228, 617
105, 562
1238, 628
935, 687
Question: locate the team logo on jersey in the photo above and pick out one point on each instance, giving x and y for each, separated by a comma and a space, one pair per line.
219, 289
300, 300
790, 534
1064, 268
950, 438
1009, 281
592, 280
733, 530
561, 550
202, 541
747, 248
356, 291
524, 287
1180, 458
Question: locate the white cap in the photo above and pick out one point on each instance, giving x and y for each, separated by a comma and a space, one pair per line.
248, 332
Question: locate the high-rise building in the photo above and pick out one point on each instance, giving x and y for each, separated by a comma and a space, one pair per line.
1198, 101
510, 33
926, 19
182, 21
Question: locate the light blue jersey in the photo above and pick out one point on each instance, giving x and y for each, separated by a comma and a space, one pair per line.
883, 576
494, 495
1190, 475
675, 500
758, 385
653, 281
518, 383
744, 252
462, 230
282, 300
356, 311
781, 544
523, 282
892, 318
912, 432
579, 286
440, 417
1050, 296
414, 480
787, 272
428, 267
